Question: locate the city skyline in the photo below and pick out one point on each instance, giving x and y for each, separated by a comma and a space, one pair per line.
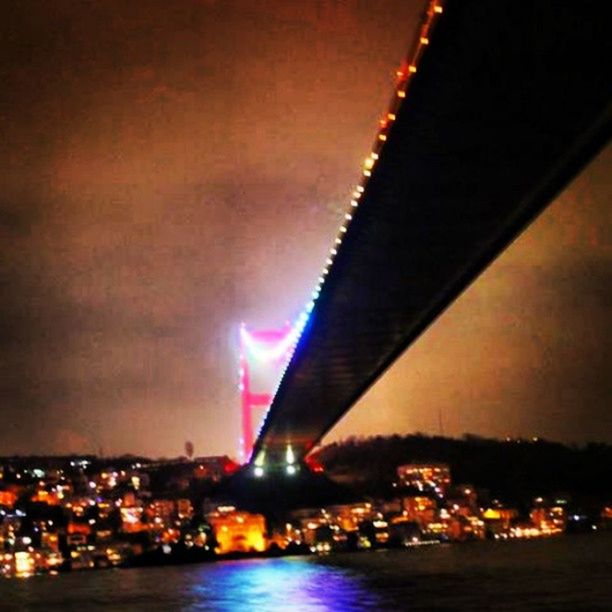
147, 213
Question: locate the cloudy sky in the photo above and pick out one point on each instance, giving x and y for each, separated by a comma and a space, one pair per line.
170, 169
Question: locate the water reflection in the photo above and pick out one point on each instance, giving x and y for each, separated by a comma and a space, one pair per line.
276, 584
569, 573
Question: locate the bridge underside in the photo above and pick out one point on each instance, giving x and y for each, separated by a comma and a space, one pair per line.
510, 100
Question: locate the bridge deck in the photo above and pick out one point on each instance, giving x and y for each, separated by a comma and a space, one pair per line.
510, 100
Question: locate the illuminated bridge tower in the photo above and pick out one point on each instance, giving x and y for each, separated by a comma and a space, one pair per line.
263, 356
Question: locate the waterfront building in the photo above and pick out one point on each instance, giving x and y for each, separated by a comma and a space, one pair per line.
550, 520
419, 509
498, 520
237, 531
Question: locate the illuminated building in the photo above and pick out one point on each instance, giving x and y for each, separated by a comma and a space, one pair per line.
170, 536
329, 528
82, 558
51, 559
498, 520
108, 479
161, 511
184, 509
237, 531
131, 519
380, 531
419, 509
77, 506
103, 535
349, 516
78, 528
7, 498
25, 564
105, 507
45, 496
550, 520
460, 528
403, 531
425, 476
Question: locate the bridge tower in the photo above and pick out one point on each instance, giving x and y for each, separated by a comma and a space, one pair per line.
262, 351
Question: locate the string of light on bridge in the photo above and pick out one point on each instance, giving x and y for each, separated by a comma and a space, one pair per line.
404, 77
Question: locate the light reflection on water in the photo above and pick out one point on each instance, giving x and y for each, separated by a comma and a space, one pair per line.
296, 583
275, 584
567, 573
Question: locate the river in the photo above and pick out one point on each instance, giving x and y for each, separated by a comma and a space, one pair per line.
566, 573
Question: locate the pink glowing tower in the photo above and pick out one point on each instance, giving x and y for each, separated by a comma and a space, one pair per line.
270, 348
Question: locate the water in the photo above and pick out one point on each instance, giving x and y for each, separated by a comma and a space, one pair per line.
570, 573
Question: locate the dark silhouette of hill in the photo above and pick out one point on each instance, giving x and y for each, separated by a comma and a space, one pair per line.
512, 470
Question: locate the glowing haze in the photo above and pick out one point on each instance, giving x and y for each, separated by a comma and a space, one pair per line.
171, 169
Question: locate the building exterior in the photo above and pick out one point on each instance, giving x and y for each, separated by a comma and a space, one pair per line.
237, 531
434, 477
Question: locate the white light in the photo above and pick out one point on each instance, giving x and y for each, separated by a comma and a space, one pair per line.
360, 189
343, 229
268, 353
354, 203
333, 251
258, 471
329, 261
348, 216
291, 470
290, 455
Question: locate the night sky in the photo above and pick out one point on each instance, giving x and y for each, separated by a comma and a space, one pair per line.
169, 169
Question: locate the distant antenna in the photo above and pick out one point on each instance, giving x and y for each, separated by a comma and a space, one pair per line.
189, 449
440, 422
